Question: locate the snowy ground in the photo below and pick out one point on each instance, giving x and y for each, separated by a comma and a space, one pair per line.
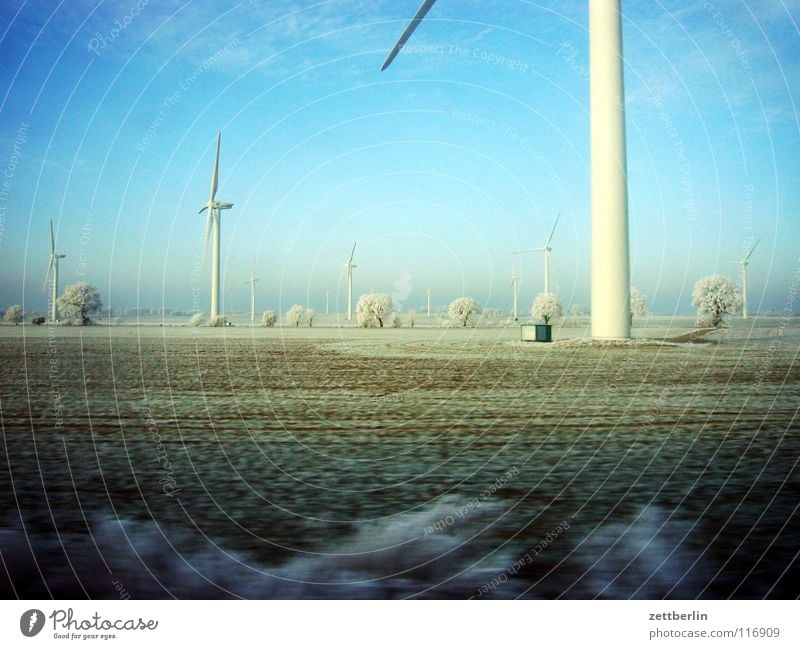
429, 462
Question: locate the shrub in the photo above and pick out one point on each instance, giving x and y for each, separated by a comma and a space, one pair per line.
197, 319
268, 319
217, 321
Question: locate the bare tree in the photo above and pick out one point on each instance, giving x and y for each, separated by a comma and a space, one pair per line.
715, 297
295, 315
463, 309
546, 306
373, 309
79, 301
14, 314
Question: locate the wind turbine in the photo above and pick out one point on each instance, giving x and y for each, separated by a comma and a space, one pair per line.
214, 208
546, 249
252, 281
350, 266
514, 289
429, 303
610, 255
744, 263
53, 266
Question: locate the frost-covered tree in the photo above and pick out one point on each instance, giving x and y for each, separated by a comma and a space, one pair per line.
463, 310
14, 314
638, 304
578, 310
268, 319
217, 321
545, 307
715, 296
397, 321
197, 319
295, 315
311, 316
373, 309
412, 318
79, 301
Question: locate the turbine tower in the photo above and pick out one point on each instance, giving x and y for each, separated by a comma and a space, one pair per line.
350, 266
514, 289
252, 281
744, 263
214, 208
546, 249
53, 266
610, 255
429, 303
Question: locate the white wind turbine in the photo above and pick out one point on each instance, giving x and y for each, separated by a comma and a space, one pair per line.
53, 266
744, 263
514, 288
610, 255
214, 208
546, 249
350, 266
252, 281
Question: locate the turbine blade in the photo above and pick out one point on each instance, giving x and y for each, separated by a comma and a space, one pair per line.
751, 250
52, 239
552, 232
426, 5
215, 175
350, 261
205, 207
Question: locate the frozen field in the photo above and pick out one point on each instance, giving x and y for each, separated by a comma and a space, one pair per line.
426, 462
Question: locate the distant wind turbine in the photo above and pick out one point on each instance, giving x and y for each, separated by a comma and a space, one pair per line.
53, 266
744, 263
214, 208
514, 289
429, 303
252, 281
546, 249
350, 266
610, 253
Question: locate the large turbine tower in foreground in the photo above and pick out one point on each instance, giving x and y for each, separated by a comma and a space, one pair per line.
214, 208
610, 263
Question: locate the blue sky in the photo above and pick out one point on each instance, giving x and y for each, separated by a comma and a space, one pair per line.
463, 151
